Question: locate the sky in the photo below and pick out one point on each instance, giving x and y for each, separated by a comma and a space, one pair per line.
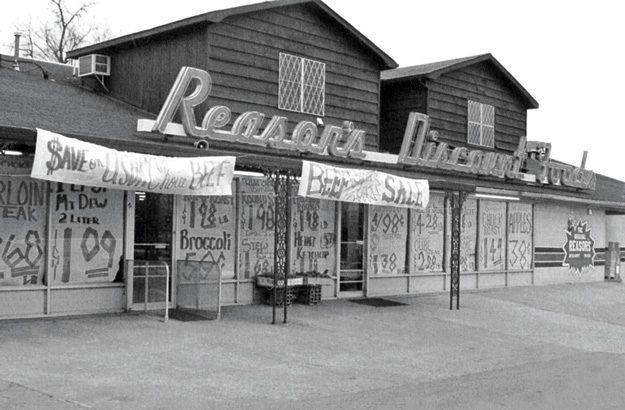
569, 55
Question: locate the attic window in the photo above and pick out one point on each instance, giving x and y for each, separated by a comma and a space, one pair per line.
302, 85
481, 124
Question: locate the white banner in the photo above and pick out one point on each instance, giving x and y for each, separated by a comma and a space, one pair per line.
63, 159
362, 186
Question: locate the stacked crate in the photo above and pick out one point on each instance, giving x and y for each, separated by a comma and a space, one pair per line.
310, 294
290, 296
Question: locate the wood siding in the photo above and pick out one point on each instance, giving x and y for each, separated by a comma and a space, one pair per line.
447, 105
243, 62
142, 75
398, 100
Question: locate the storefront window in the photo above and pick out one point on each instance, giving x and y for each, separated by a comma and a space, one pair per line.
492, 236
388, 234
256, 227
468, 234
23, 206
313, 237
86, 234
205, 227
427, 237
520, 231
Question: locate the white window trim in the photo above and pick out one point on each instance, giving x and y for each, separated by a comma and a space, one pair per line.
302, 86
481, 124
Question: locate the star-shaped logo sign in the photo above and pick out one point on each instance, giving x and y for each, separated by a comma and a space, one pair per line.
579, 248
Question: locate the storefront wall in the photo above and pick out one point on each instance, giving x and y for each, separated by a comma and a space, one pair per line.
62, 252
552, 222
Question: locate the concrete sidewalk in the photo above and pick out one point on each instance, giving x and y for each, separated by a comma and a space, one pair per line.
544, 347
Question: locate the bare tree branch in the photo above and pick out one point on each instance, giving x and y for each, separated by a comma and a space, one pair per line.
63, 32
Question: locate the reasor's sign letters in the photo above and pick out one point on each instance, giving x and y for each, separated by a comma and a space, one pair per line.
362, 186
62, 159
246, 128
579, 248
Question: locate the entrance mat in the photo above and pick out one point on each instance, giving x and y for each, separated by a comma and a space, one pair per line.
191, 315
377, 302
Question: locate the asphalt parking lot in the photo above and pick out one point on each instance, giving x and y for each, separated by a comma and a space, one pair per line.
558, 346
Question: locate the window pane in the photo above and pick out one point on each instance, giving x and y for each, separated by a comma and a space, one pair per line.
427, 235
206, 226
488, 115
520, 228
352, 229
474, 136
468, 235
388, 234
86, 232
492, 236
22, 230
474, 112
313, 238
314, 87
290, 83
488, 136
256, 227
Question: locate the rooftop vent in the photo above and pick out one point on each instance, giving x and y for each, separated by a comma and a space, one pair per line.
94, 64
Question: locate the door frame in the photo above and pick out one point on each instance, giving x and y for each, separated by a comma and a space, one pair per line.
130, 210
339, 221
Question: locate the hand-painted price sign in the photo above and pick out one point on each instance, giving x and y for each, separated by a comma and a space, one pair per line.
313, 239
468, 233
492, 235
520, 230
256, 227
22, 223
388, 232
206, 231
427, 233
86, 233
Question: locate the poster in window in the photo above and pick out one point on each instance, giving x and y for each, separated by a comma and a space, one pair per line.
468, 235
388, 236
313, 236
23, 216
520, 229
492, 236
427, 236
256, 227
205, 226
86, 234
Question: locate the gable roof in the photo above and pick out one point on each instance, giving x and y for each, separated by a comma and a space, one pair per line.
435, 70
219, 15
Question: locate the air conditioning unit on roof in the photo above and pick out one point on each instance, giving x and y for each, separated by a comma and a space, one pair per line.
94, 64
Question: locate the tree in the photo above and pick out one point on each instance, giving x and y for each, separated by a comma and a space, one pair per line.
63, 32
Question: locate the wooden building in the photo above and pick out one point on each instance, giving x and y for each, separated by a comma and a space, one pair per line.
255, 54
289, 89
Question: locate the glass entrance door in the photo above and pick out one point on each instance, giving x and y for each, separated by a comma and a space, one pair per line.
153, 250
351, 275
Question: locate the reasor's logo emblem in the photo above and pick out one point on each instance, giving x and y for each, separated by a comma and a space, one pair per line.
579, 248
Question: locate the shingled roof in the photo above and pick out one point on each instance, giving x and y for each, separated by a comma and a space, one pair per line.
436, 69
219, 15
31, 101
